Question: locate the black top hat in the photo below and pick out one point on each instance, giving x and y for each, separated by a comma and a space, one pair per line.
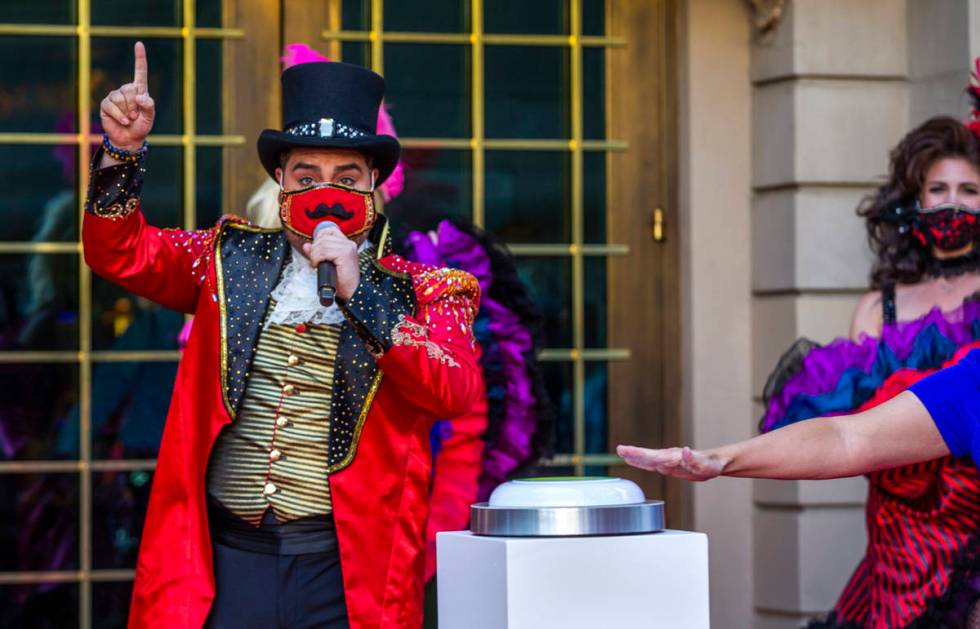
330, 105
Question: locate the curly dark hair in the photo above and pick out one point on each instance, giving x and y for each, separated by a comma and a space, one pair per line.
889, 211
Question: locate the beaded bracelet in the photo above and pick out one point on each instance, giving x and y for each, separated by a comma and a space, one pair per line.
122, 155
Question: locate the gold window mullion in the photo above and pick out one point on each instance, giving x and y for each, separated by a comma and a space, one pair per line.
69, 30
84, 323
377, 37
336, 34
335, 17
478, 141
190, 119
578, 261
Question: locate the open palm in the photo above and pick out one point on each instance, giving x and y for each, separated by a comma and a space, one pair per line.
683, 463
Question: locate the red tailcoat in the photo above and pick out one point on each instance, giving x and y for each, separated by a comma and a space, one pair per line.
406, 357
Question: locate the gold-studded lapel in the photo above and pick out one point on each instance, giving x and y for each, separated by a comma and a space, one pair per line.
356, 374
249, 262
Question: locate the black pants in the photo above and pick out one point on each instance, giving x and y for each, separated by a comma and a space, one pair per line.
259, 590
273, 589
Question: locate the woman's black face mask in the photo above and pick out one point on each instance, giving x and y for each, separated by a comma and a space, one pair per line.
948, 227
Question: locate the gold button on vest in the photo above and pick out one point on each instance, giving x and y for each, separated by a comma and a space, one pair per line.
274, 454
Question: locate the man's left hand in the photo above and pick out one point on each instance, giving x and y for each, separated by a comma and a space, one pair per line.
332, 245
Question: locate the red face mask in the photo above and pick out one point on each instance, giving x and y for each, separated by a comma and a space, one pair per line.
948, 226
352, 210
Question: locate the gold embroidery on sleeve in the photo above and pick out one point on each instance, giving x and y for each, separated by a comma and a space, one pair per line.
117, 210
412, 334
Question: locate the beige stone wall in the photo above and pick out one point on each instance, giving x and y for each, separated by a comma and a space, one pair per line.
939, 40
780, 139
834, 88
715, 119
829, 99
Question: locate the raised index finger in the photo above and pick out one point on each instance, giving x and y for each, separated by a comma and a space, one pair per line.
139, 67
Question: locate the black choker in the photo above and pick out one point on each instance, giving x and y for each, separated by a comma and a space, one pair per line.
951, 267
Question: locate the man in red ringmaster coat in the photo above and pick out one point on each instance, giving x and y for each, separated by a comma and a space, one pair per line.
293, 474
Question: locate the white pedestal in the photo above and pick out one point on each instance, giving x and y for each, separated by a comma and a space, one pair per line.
658, 581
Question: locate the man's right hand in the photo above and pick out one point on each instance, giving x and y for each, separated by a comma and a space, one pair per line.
127, 113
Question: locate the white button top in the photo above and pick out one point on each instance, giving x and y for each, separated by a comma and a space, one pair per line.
567, 491
269, 489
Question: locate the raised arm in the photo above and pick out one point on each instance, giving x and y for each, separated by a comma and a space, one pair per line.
166, 266
898, 432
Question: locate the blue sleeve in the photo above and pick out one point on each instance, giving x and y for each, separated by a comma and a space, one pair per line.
952, 397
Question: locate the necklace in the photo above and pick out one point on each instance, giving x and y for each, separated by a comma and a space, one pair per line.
953, 267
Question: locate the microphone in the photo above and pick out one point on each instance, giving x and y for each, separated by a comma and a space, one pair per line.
326, 272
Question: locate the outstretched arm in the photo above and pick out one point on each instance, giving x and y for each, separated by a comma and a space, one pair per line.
898, 432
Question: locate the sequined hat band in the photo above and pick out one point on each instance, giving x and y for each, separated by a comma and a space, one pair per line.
325, 128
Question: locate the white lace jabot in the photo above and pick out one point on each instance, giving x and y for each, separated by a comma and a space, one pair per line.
296, 298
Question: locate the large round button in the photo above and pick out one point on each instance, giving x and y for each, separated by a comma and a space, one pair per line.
293, 360
269, 489
288, 389
282, 422
275, 455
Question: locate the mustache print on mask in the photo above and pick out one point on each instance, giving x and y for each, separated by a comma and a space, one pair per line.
322, 211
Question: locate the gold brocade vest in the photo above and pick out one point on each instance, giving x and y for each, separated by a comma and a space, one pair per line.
274, 455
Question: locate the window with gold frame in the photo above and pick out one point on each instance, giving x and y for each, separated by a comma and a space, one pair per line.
87, 367
502, 112
501, 109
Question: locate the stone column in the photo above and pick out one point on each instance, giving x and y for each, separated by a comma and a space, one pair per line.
715, 166
940, 43
829, 99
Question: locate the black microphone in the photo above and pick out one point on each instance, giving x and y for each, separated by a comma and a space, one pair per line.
326, 272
